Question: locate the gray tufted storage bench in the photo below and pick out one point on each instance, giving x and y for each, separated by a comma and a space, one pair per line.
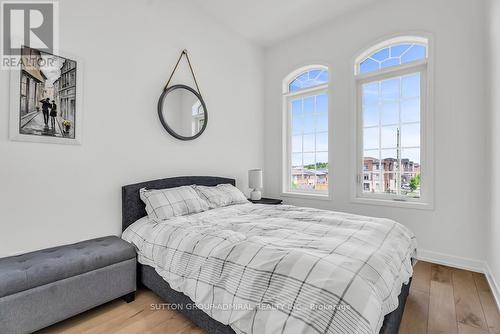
41, 288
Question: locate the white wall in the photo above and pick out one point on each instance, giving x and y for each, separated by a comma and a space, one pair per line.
55, 194
493, 254
455, 230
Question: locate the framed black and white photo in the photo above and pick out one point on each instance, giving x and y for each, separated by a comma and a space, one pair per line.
46, 98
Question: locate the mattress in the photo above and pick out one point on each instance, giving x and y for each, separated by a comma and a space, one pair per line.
281, 269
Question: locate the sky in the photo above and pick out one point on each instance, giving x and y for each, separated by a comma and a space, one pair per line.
51, 68
388, 105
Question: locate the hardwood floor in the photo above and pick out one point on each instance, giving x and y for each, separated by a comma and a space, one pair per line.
449, 301
442, 300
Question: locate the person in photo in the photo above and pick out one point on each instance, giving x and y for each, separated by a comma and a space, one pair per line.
53, 114
45, 109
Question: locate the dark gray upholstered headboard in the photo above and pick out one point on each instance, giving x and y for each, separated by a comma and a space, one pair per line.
133, 207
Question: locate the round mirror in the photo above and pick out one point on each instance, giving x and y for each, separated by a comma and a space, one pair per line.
182, 112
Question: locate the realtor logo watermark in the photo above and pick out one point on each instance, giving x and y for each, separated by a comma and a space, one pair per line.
28, 23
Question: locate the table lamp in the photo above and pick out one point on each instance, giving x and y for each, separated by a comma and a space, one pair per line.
255, 183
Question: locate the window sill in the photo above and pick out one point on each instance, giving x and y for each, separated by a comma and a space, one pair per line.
394, 203
322, 197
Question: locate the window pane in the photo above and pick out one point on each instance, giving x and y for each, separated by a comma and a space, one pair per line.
371, 171
416, 52
303, 77
410, 111
322, 122
370, 115
371, 154
389, 183
308, 106
370, 93
297, 178
410, 135
410, 184
309, 160
322, 103
388, 157
294, 86
411, 154
368, 65
297, 119
296, 159
313, 74
322, 142
398, 50
411, 86
309, 143
323, 77
371, 138
303, 180
297, 125
389, 89
322, 160
309, 79
371, 182
297, 107
393, 56
309, 124
410, 172
389, 136
296, 144
390, 62
322, 171
381, 55
390, 113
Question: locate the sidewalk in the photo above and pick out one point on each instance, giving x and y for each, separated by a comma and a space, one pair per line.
27, 118
36, 126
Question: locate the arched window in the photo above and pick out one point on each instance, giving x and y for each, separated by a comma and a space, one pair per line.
308, 79
305, 93
393, 55
198, 117
391, 82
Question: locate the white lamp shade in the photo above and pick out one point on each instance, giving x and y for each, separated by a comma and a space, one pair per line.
255, 178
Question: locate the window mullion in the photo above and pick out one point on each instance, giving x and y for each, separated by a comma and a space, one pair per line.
379, 108
398, 152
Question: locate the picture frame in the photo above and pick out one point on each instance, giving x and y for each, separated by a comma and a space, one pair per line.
41, 76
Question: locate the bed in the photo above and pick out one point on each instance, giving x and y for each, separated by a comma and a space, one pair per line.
266, 219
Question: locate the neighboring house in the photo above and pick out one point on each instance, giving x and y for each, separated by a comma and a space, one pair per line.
304, 178
55, 88
66, 90
32, 88
373, 168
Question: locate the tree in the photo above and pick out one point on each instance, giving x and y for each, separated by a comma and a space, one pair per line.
318, 165
414, 182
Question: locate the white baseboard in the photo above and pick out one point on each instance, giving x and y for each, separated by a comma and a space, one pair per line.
493, 284
451, 261
463, 263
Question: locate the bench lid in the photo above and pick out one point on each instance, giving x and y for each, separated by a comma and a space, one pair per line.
26, 271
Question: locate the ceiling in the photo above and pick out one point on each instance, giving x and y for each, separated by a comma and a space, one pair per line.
268, 21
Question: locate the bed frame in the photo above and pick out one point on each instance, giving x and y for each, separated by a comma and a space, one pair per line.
133, 209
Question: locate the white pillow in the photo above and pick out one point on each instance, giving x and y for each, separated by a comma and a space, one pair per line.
172, 202
221, 195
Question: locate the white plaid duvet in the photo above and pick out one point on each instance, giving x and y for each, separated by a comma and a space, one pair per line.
281, 269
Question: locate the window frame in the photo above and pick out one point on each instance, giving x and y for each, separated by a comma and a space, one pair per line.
288, 96
424, 67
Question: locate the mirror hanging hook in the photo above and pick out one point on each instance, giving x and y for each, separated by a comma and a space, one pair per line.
183, 53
